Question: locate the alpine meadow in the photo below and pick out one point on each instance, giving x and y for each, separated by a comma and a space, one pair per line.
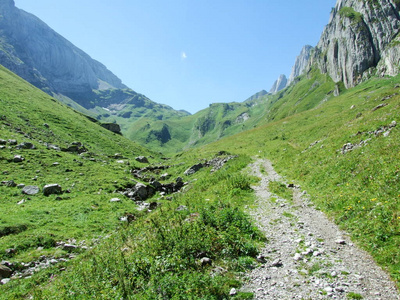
293, 193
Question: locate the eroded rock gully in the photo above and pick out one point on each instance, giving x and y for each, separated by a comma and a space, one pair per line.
306, 255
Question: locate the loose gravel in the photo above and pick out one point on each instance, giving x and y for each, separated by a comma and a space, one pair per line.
307, 256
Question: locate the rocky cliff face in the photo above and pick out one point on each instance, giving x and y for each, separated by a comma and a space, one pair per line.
279, 84
359, 37
301, 63
38, 54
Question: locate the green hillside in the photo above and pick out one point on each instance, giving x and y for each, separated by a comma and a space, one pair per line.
345, 153
160, 253
60, 244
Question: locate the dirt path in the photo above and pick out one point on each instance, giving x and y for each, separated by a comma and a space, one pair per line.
307, 256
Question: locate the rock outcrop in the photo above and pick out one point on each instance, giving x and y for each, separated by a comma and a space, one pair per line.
359, 37
301, 63
279, 84
34, 51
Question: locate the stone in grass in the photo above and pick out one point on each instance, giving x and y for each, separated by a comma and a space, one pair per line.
51, 189
115, 200
233, 292
205, 261
18, 159
5, 272
142, 159
30, 190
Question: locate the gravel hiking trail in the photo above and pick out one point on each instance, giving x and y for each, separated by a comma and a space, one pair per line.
306, 255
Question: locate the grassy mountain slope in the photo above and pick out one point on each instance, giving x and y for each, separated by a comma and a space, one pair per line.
77, 242
31, 116
159, 254
220, 120
359, 189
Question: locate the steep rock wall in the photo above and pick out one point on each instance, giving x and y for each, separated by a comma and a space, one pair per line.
356, 38
41, 56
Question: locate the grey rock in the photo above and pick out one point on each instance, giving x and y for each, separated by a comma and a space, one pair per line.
115, 200
181, 208
193, 169
142, 159
205, 261
113, 127
233, 292
18, 158
21, 202
51, 189
5, 272
30, 190
158, 186
141, 191
12, 142
3, 142
69, 247
277, 263
165, 176
10, 183
26, 145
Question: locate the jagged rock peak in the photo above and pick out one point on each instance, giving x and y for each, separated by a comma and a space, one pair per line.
301, 63
279, 84
356, 38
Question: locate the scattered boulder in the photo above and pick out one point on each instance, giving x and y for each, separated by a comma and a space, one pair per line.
205, 261
12, 142
18, 158
75, 147
113, 127
51, 189
9, 183
165, 176
379, 106
30, 190
193, 169
115, 200
3, 142
26, 145
142, 159
181, 208
141, 191
233, 292
5, 272
52, 147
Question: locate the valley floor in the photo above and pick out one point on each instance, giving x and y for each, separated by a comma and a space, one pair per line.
306, 255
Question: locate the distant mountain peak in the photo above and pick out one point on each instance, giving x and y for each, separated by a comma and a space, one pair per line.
279, 84
34, 51
301, 63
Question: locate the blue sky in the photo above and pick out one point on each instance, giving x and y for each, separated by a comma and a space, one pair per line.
189, 53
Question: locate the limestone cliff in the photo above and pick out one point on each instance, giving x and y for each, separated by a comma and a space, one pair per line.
359, 37
301, 63
279, 84
41, 56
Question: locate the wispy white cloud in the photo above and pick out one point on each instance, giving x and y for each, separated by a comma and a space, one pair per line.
183, 55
